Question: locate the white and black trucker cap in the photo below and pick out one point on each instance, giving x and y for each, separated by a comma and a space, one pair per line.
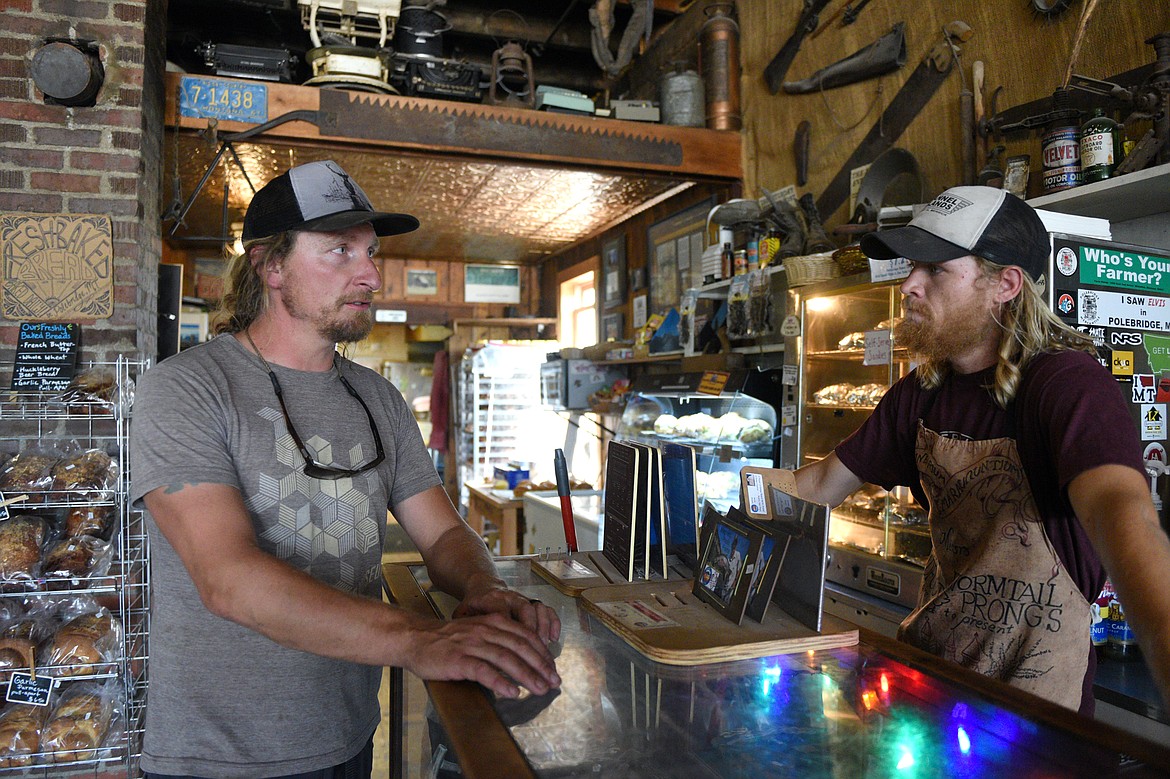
983, 221
317, 196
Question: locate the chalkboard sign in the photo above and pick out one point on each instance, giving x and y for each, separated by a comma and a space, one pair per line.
25, 689
46, 356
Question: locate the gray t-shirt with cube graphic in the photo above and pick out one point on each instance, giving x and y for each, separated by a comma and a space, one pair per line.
225, 701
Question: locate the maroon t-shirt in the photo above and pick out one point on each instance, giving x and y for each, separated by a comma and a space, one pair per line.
1068, 417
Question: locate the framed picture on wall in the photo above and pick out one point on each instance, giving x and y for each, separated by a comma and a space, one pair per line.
613, 271
611, 327
491, 283
673, 245
421, 281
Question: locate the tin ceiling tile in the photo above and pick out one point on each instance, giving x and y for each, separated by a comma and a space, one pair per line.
473, 210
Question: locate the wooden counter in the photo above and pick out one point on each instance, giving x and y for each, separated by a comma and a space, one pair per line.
868, 710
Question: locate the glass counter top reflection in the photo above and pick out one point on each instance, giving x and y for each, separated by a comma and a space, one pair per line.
854, 712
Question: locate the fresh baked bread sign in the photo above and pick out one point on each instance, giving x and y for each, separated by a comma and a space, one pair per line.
56, 267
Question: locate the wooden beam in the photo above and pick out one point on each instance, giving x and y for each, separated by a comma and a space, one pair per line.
452, 128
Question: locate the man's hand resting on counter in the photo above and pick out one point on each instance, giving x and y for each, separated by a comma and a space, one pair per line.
496, 650
533, 614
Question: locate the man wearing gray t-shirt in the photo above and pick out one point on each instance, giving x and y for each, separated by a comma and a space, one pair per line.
266, 463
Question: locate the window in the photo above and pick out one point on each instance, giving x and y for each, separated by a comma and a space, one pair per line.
578, 311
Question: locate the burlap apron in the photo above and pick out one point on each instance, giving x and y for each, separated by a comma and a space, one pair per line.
995, 597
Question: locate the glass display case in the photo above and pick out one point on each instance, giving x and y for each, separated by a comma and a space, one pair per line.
729, 425
879, 541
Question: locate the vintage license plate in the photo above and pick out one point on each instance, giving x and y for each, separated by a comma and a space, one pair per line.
213, 98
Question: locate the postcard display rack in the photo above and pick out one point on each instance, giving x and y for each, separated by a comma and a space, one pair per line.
878, 541
41, 420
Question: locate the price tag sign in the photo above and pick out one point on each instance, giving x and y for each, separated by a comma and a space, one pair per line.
788, 375
877, 348
713, 382
25, 689
888, 270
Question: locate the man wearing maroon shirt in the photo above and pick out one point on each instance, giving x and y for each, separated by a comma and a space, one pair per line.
1020, 444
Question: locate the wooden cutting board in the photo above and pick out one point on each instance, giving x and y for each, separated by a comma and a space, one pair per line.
668, 624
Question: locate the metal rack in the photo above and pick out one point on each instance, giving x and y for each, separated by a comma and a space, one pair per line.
499, 391
28, 419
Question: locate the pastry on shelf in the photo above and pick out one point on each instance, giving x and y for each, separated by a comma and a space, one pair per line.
20, 734
78, 725
833, 395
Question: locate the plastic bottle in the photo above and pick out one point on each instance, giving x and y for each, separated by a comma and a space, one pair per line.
1122, 644
740, 262
1100, 147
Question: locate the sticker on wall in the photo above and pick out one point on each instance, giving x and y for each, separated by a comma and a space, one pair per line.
1153, 421
57, 267
1122, 363
1143, 390
1066, 261
790, 327
1124, 310
1065, 304
1155, 453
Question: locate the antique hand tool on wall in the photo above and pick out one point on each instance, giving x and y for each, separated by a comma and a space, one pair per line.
778, 68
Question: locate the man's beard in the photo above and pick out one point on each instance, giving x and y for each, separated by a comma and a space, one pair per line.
344, 326
345, 331
935, 341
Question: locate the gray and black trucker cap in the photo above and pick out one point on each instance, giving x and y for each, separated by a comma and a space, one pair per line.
983, 221
317, 196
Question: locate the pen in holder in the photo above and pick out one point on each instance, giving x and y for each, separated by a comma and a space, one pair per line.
562, 472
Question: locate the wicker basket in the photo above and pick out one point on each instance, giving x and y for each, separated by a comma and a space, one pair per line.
811, 268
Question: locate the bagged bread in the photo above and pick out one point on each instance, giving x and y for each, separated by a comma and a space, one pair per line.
91, 472
78, 725
21, 538
93, 521
82, 644
20, 734
18, 643
73, 559
95, 392
29, 473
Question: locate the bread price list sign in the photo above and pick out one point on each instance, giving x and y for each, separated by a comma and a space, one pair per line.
46, 356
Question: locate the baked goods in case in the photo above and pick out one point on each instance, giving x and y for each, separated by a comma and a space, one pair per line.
20, 734
21, 538
78, 725
81, 643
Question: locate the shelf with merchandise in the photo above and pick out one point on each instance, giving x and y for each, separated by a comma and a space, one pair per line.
118, 583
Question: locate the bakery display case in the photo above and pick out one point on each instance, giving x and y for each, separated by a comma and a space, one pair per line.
879, 540
74, 579
729, 425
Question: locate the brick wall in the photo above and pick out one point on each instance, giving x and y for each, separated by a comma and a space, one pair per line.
105, 159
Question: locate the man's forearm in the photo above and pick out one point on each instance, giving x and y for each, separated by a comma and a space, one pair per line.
459, 564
